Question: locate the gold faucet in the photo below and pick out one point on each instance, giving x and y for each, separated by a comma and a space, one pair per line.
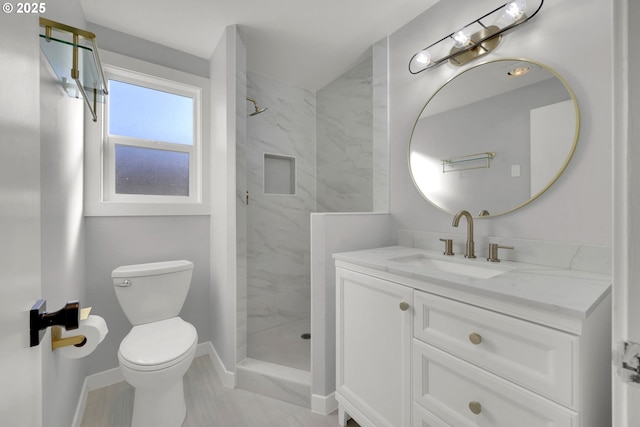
470, 251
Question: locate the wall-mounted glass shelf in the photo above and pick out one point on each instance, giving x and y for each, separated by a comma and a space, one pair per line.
471, 161
73, 55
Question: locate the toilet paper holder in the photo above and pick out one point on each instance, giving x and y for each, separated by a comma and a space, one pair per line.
68, 317
78, 340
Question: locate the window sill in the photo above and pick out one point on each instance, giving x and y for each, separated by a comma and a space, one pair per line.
145, 209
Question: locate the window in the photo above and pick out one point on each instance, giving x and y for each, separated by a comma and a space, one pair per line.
150, 162
150, 132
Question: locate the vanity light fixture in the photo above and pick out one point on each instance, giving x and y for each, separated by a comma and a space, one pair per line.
475, 39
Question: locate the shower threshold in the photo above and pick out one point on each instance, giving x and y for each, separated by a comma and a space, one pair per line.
277, 381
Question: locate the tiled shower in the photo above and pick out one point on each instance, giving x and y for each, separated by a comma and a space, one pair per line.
309, 152
280, 150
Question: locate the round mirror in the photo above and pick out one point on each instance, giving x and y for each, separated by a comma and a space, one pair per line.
494, 137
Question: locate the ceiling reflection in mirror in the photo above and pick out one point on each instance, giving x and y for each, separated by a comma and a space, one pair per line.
490, 142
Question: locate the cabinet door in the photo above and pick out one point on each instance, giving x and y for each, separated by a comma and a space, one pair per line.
373, 349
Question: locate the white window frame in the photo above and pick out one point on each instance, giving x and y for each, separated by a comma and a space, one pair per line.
110, 141
100, 196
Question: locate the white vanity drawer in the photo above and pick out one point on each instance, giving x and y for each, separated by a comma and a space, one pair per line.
450, 388
541, 359
423, 418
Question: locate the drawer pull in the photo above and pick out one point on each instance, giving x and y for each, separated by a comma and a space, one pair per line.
404, 306
475, 407
475, 338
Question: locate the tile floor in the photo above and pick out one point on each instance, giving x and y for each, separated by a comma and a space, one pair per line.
282, 345
209, 404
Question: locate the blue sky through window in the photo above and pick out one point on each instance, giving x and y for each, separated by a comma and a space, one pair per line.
150, 114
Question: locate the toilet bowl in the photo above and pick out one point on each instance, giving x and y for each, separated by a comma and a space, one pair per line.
153, 359
157, 352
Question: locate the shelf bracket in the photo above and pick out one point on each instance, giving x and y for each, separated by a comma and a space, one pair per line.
95, 83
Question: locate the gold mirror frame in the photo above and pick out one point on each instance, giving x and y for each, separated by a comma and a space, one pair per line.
490, 155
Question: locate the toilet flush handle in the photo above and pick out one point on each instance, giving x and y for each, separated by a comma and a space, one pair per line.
124, 284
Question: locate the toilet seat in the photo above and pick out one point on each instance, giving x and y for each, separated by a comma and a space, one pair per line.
158, 345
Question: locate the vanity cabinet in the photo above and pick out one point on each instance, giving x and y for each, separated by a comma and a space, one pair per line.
474, 367
373, 340
455, 359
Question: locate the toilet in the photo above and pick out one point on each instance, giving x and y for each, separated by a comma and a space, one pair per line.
156, 353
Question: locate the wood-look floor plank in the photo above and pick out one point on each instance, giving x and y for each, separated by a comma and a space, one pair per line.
209, 404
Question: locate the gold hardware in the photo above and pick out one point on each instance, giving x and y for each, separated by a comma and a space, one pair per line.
78, 340
469, 162
478, 44
475, 338
84, 313
57, 341
67, 28
469, 251
404, 306
480, 48
448, 246
75, 69
475, 407
493, 251
75, 72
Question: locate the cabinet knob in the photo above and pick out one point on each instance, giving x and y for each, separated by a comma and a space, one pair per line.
404, 306
475, 338
475, 407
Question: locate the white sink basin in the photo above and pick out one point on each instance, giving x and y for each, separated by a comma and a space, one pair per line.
468, 268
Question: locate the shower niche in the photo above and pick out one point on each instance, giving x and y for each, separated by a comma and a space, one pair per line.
279, 174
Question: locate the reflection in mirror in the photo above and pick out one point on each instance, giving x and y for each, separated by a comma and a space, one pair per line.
487, 141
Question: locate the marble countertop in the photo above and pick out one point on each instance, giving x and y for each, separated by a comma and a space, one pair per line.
572, 292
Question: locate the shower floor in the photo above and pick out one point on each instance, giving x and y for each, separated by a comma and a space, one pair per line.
282, 345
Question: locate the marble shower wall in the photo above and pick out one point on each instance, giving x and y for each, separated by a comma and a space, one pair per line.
338, 140
345, 141
278, 225
381, 126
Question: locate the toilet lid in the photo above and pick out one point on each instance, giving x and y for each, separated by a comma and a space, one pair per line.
158, 344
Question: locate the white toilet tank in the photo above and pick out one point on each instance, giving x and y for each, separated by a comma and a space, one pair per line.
154, 291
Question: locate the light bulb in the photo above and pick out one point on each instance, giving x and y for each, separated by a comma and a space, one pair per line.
423, 58
514, 11
461, 38
518, 71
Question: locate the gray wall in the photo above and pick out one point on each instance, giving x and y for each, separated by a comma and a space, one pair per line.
587, 180
128, 45
63, 235
115, 241
20, 278
62, 223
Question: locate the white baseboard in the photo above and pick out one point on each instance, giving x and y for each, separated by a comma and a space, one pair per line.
323, 405
103, 379
228, 378
113, 376
82, 400
94, 382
